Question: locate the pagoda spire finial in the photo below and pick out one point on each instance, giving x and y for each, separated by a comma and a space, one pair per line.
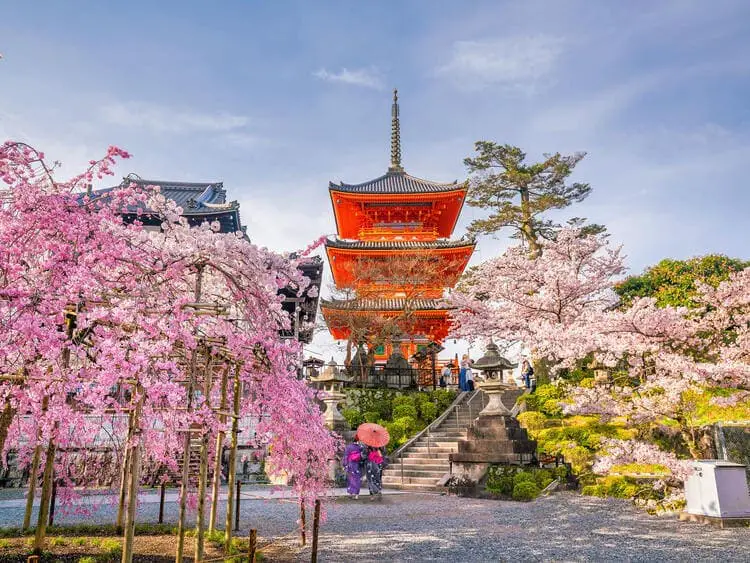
395, 137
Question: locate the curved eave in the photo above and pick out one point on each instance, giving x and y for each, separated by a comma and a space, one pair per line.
406, 246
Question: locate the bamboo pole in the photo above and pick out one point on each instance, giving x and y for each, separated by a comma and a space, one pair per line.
203, 472
218, 455
232, 458
252, 544
186, 453
135, 470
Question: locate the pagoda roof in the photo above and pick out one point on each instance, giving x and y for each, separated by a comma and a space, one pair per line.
383, 304
398, 244
395, 182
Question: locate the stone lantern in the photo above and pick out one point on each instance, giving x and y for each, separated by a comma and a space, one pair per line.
496, 371
331, 381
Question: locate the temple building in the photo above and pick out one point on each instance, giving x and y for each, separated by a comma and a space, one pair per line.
207, 202
393, 258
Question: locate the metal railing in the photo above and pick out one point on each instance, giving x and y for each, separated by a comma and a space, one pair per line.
381, 377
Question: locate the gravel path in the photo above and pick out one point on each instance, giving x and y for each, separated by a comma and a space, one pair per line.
423, 527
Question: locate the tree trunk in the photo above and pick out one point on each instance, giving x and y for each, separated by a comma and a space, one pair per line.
124, 474
232, 459
33, 477
134, 473
6, 417
41, 523
219, 454
527, 229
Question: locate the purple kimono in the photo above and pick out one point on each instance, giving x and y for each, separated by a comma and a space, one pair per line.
354, 462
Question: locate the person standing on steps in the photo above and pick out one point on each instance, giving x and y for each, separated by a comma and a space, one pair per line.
527, 373
462, 372
445, 376
470, 377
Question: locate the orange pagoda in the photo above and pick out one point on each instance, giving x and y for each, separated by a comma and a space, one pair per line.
393, 254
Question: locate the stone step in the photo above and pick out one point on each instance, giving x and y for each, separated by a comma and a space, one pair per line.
423, 449
392, 480
396, 474
420, 463
442, 444
412, 455
413, 487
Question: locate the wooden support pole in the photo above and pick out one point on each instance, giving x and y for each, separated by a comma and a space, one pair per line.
52, 503
252, 545
237, 390
186, 444
124, 474
33, 478
203, 468
218, 454
135, 473
302, 522
237, 507
41, 522
316, 529
162, 492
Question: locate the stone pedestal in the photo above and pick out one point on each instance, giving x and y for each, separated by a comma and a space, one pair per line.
333, 418
492, 439
494, 388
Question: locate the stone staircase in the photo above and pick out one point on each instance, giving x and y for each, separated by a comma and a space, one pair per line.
421, 464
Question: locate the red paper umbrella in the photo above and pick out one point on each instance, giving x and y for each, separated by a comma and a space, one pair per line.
373, 435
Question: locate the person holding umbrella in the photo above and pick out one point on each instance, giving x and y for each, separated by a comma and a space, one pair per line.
355, 455
376, 438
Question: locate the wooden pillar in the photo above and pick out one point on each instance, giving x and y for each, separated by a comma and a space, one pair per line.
219, 453
134, 473
233, 457
203, 472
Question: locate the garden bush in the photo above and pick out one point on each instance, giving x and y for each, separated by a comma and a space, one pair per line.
525, 490
500, 480
403, 410
543, 477
372, 416
353, 417
428, 411
523, 476
532, 420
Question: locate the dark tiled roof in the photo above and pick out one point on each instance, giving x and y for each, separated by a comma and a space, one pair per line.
385, 304
193, 197
398, 244
394, 183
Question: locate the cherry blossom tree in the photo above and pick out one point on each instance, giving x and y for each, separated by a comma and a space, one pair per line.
90, 305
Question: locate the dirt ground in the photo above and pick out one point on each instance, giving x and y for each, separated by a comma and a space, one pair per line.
147, 549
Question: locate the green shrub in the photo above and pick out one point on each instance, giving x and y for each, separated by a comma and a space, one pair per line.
543, 477
4, 543
500, 480
408, 423
401, 400
371, 416
428, 411
594, 491
353, 417
404, 410
561, 472
58, 541
111, 546
443, 398
78, 541
525, 490
532, 420
87, 559
523, 477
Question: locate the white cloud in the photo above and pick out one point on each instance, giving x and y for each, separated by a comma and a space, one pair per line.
515, 62
163, 119
369, 77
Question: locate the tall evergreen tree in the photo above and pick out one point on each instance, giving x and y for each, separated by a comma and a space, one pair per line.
518, 194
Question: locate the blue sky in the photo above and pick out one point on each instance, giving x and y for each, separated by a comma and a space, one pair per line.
278, 98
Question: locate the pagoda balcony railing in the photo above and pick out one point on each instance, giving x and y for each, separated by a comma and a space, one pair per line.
390, 231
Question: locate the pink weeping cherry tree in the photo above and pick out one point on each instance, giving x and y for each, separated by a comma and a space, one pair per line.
185, 320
